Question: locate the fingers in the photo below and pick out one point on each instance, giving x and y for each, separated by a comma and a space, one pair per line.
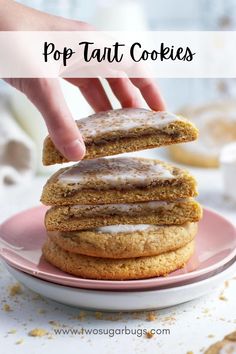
125, 92
47, 96
93, 92
150, 93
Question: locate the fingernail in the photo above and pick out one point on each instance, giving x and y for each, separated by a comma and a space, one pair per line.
75, 150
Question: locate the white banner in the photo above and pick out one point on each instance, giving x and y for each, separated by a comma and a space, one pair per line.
161, 54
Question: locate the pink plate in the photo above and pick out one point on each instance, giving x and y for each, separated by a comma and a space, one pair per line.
22, 236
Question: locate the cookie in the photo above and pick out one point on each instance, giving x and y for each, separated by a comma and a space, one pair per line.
118, 180
217, 126
125, 241
123, 130
82, 217
226, 346
116, 269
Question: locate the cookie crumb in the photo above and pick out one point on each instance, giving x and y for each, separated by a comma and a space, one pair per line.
20, 341
81, 316
54, 323
98, 315
6, 308
223, 298
15, 289
210, 336
190, 352
151, 316
37, 332
12, 331
149, 334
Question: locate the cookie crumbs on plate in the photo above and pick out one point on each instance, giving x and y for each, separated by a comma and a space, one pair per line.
6, 308
20, 341
210, 336
151, 316
190, 352
15, 289
37, 332
149, 334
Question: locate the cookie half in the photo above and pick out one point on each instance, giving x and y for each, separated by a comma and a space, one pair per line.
125, 241
83, 217
118, 180
117, 269
124, 130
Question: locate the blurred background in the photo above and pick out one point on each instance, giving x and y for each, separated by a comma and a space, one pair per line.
211, 104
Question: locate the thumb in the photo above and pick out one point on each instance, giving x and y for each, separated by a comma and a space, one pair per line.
47, 96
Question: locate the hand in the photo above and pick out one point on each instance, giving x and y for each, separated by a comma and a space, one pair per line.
46, 94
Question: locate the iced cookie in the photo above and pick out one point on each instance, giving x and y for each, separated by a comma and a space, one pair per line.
118, 180
124, 130
125, 241
217, 126
226, 346
117, 269
81, 217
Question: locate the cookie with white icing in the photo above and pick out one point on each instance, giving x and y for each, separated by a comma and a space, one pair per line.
82, 217
217, 126
118, 180
116, 269
125, 241
124, 130
226, 346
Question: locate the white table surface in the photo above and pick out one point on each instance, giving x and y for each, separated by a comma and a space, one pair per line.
193, 326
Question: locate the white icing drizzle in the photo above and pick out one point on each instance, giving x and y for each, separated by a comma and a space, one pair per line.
124, 119
122, 171
123, 228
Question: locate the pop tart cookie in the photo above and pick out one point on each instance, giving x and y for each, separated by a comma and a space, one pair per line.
124, 130
116, 269
125, 241
83, 217
118, 180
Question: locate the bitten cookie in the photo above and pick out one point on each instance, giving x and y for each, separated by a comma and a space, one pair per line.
123, 130
125, 241
82, 217
118, 180
226, 346
116, 269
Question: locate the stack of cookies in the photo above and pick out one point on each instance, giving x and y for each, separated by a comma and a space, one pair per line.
121, 217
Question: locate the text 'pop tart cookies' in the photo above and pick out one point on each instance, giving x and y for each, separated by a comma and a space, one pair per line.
125, 130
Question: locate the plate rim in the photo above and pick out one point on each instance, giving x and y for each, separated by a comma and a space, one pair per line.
231, 267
